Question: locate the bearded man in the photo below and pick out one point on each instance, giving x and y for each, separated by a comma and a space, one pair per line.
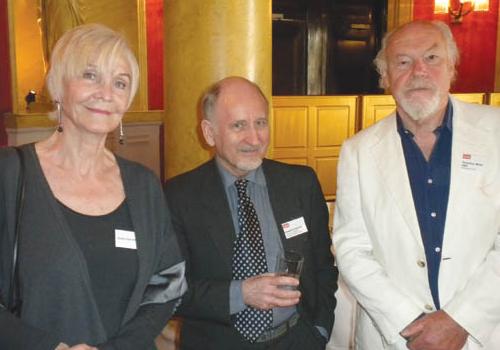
417, 222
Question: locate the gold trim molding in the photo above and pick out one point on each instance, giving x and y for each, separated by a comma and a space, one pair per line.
42, 120
142, 47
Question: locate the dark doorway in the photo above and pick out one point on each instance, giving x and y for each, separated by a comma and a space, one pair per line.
325, 47
289, 47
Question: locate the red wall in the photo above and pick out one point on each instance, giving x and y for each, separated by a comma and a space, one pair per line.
5, 95
476, 38
154, 12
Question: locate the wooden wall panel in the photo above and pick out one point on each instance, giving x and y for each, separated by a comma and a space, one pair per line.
376, 107
478, 98
289, 134
290, 127
494, 99
291, 160
142, 135
332, 126
309, 130
326, 169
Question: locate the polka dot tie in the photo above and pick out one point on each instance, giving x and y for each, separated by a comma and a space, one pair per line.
249, 259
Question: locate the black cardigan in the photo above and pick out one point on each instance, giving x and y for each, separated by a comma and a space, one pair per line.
58, 304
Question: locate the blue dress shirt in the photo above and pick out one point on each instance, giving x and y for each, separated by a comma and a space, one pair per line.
257, 191
430, 187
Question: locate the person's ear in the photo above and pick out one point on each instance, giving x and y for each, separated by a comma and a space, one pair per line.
452, 73
207, 128
384, 80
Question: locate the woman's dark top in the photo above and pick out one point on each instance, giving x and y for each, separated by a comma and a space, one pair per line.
112, 270
56, 289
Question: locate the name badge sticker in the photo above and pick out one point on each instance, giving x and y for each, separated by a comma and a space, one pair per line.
125, 239
294, 227
471, 162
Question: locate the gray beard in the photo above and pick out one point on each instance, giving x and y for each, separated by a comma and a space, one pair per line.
249, 165
418, 110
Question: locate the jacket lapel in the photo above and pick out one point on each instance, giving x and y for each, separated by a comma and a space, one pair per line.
136, 206
282, 203
389, 157
470, 145
216, 213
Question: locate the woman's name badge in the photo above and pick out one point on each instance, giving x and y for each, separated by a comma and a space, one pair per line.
125, 239
294, 227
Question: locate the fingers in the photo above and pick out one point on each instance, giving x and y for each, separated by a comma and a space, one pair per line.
435, 331
415, 328
268, 291
412, 330
82, 347
282, 298
285, 281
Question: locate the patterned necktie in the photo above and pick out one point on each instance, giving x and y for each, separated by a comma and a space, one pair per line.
249, 259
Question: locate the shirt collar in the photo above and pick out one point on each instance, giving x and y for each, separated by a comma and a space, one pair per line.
255, 176
447, 121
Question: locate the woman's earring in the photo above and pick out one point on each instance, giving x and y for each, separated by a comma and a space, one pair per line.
121, 140
59, 117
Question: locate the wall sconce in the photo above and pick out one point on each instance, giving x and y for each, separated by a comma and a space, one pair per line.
465, 7
30, 98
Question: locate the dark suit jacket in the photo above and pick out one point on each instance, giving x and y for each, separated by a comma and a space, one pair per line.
202, 218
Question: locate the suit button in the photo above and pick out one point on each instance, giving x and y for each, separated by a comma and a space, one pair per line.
421, 263
428, 307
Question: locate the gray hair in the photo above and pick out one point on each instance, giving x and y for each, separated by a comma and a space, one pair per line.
84, 45
209, 98
380, 60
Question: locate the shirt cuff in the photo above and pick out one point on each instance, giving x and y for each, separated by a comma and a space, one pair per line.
236, 303
323, 332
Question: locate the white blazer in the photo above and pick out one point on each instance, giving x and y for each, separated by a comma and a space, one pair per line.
377, 238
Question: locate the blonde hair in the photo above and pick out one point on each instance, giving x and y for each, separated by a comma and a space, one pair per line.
84, 45
451, 47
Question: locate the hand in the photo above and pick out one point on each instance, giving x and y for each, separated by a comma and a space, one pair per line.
263, 292
63, 346
435, 331
82, 347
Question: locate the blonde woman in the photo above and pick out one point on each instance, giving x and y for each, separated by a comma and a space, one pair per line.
98, 264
